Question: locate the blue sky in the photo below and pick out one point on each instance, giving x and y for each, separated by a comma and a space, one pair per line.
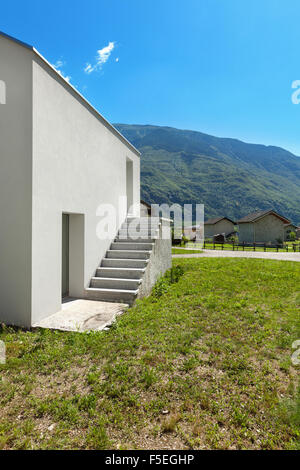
224, 67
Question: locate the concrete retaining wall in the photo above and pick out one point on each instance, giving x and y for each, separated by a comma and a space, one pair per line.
160, 260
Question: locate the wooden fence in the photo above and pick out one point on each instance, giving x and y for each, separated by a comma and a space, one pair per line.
294, 247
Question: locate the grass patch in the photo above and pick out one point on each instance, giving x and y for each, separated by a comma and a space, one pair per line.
183, 251
204, 365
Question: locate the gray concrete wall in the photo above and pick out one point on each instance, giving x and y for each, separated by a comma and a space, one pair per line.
224, 226
160, 260
246, 233
78, 164
15, 183
266, 230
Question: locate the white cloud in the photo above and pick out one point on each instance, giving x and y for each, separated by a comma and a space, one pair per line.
117, 59
101, 58
88, 68
58, 64
66, 77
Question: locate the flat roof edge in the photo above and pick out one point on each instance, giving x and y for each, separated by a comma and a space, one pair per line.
22, 43
93, 109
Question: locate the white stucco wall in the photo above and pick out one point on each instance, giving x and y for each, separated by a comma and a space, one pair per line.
57, 155
15, 183
78, 164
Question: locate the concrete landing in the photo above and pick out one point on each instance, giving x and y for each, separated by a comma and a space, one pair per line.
83, 315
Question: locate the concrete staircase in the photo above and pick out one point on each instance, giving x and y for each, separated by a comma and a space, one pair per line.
120, 275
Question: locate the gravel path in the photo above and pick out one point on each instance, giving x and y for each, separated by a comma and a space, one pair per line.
242, 254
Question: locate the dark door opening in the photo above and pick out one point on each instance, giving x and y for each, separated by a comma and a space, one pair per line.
65, 255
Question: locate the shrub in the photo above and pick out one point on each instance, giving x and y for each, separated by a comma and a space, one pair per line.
175, 274
171, 277
161, 287
233, 239
185, 240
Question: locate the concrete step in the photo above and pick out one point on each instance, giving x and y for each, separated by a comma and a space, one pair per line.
113, 283
131, 246
143, 220
121, 273
124, 263
139, 231
128, 254
132, 240
138, 225
111, 295
138, 234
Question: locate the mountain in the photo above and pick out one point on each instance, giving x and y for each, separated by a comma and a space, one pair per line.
232, 178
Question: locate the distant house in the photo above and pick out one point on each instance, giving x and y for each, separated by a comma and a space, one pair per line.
218, 225
288, 229
193, 231
262, 227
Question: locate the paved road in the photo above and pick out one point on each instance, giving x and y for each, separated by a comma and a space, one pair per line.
242, 254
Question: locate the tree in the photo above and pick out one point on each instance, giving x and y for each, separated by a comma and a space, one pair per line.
292, 236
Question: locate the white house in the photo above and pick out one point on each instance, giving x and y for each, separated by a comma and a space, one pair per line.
60, 161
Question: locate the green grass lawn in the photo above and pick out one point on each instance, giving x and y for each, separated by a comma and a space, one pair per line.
206, 365
183, 251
